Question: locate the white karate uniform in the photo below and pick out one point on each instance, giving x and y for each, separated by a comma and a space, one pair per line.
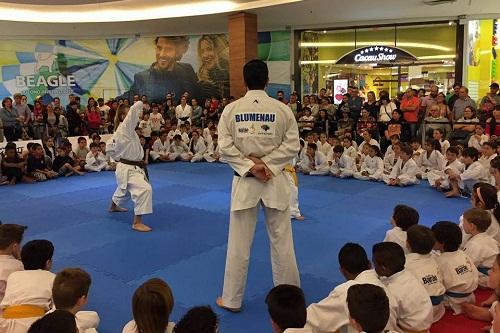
418, 156
389, 160
8, 265
460, 278
185, 138
86, 321
345, 165
485, 162
473, 174
372, 142
398, 236
159, 149
209, 154
414, 305
425, 268
331, 314
156, 121
324, 147
145, 126
374, 166
199, 149
266, 128
298, 330
445, 144
131, 179
456, 166
493, 230
483, 250
173, 133
351, 152
407, 173
178, 151
433, 163
477, 143
32, 287
318, 167
182, 112
95, 164
131, 327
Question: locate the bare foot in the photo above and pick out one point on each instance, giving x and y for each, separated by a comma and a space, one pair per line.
69, 174
452, 194
220, 304
80, 173
299, 218
141, 227
117, 209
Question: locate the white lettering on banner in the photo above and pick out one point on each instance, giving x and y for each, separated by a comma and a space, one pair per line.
374, 58
50, 81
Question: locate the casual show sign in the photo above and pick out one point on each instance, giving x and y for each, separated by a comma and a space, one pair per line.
378, 55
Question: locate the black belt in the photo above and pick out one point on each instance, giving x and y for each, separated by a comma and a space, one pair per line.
248, 174
141, 164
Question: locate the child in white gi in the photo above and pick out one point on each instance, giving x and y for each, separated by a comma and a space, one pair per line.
213, 154
349, 149
405, 170
418, 153
414, 312
145, 126
432, 159
147, 311
111, 165
160, 148
323, 145
331, 314
286, 306
481, 248
197, 147
440, 180
178, 149
488, 153
183, 133
473, 173
173, 132
460, 276
28, 295
391, 157
11, 236
403, 217
342, 165
315, 162
477, 140
70, 293
438, 135
423, 266
95, 160
293, 180
369, 309
372, 167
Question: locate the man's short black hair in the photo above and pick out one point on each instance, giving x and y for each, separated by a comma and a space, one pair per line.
353, 258
405, 216
390, 255
420, 239
59, 321
256, 74
287, 306
368, 305
449, 234
36, 253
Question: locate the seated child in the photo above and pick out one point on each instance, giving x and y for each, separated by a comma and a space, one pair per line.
95, 160
423, 266
13, 166
368, 307
70, 293
63, 164
405, 170
197, 147
330, 314
391, 157
183, 133
323, 145
414, 305
110, 164
315, 162
342, 165
349, 149
173, 132
28, 295
460, 276
59, 321
438, 135
372, 167
198, 319
403, 217
212, 154
178, 149
418, 153
478, 138
432, 159
160, 149
287, 308
81, 151
367, 140
11, 236
488, 153
462, 183
439, 179
152, 302
481, 248
36, 167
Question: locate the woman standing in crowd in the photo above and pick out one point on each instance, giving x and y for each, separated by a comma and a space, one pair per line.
11, 120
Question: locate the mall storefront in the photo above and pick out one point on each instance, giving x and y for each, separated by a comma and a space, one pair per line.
390, 58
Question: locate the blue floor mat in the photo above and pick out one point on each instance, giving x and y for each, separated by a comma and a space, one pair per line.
188, 245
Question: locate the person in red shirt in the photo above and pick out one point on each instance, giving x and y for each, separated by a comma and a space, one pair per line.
410, 108
93, 119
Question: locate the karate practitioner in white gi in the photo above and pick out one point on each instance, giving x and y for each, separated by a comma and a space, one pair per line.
131, 177
258, 136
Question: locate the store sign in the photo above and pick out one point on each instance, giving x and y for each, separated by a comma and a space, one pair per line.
377, 54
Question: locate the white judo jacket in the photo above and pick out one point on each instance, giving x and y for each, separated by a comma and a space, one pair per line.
261, 126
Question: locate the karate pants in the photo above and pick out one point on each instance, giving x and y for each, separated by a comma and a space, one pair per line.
197, 158
241, 232
294, 197
132, 182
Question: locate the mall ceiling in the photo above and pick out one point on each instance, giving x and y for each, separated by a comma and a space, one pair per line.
150, 17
